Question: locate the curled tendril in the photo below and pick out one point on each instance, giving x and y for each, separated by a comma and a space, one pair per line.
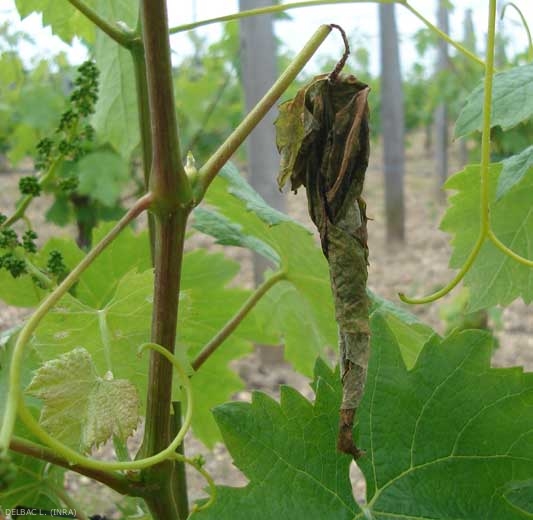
524, 23
76, 458
209, 479
485, 229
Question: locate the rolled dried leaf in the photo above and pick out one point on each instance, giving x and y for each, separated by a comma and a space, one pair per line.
323, 138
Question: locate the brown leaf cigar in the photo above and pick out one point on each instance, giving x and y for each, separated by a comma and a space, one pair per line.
323, 139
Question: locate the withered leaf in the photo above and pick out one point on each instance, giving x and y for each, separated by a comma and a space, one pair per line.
323, 139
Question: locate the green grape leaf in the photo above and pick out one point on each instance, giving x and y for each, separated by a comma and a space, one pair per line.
288, 451
81, 408
116, 116
128, 251
304, 297
102, 175
35, 481
19, 292
450, 438
41, 109
444, 439
60, 212
512, 102
22, 142
64, 19
206, 305
513, 171
111, 327
495, 278
111, 332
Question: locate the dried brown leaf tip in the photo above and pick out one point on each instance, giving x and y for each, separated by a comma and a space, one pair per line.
323, 140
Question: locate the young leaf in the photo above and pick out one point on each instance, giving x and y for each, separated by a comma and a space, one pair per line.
116, 118
81, 408
111, 332
495, 278
513, 171
448, 439
512, 101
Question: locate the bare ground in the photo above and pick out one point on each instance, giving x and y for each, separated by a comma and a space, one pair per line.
417, 267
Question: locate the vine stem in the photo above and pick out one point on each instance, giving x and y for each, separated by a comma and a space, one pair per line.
173, 201
111, 479
484, 231
13, 398
123, 38
74, 457
211, 168
234, 322
313, 3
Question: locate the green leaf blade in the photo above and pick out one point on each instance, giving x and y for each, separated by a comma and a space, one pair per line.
450, 438
245, 219
514, 169
494, 278
451, 452
116, 117
288, 452
64, 19
102, 175
512, 102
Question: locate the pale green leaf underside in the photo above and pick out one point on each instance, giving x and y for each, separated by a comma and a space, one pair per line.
494, 279
80, 408
512, 101
244, 219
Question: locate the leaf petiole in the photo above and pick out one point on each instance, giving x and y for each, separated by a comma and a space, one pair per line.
122, 37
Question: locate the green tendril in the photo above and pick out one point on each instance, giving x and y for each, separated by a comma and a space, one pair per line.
485, 229
209, 479
524, 23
